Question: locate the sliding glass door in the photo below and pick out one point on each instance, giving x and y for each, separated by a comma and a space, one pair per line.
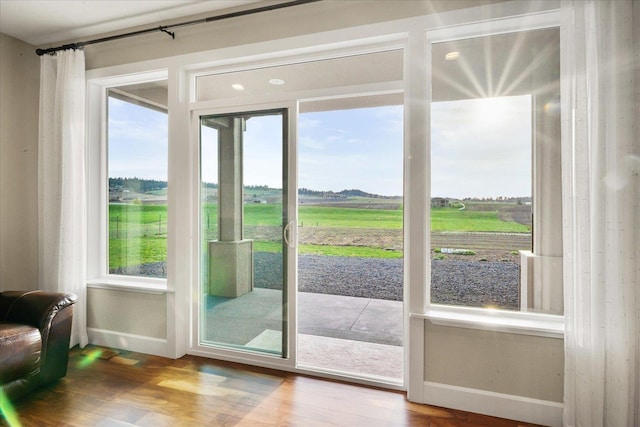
301, 215
242, 241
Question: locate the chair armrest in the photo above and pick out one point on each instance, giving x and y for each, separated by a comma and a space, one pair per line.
51, 313
37, 308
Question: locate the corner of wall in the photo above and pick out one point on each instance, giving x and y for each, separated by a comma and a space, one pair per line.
19, 85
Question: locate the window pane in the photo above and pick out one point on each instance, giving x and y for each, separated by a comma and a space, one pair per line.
137, 172
350, 231
481, 200
243, 193
492, 125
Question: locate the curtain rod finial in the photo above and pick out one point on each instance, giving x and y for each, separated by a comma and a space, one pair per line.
52, 50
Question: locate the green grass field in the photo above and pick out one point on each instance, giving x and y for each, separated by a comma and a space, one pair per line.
327, 250
452, 219
320, 216
317, 216
138, 233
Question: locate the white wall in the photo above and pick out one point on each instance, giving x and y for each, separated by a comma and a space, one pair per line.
294, 21
19, 89
499, 362
134, 313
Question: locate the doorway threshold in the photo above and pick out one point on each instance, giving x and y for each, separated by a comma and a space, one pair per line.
355, 337
380, 362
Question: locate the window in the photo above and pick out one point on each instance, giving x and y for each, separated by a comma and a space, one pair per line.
137, 146
495, 172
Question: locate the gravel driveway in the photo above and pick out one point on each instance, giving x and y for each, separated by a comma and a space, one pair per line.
469, 283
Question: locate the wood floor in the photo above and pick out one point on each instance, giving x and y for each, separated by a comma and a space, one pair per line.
103, 389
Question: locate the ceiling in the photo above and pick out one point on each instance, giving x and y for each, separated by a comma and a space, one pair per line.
50, 21
498, 65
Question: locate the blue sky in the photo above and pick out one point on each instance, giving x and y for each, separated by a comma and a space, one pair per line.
352, 149
137, 141
336, 151
480, 148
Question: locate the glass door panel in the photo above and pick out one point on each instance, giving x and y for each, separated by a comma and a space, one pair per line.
350, 237
242, 218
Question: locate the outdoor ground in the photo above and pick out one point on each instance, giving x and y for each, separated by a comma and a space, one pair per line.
487, 246
353, 246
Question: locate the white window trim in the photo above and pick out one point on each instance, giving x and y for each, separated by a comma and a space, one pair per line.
97, 183
527, 323
514, 322
130, 283
417, 115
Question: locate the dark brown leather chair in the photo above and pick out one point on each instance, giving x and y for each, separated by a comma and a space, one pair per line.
35, 329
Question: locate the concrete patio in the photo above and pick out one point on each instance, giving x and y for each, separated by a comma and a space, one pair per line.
361, 336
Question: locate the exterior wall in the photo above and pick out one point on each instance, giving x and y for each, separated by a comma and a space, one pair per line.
19, 86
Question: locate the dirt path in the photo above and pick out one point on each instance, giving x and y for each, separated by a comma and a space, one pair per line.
488, 246
386, 239
333, 236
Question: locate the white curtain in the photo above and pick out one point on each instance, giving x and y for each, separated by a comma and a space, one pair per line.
62, 226
601, 166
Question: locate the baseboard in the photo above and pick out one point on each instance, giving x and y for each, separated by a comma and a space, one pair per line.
131, 342
508, 406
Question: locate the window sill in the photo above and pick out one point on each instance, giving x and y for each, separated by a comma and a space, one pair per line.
130, 284
495, 320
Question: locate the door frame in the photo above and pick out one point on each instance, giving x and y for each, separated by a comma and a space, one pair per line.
397, 41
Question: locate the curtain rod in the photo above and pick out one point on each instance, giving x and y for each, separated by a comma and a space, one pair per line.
166, 28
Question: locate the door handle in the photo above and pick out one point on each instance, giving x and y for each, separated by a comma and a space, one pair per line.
285, 235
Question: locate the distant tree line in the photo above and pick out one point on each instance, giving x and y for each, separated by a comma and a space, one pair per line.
140, 185
137, 185
506, 199
344, 193
246, 187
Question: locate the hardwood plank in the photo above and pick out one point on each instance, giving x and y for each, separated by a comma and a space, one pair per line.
132, 389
